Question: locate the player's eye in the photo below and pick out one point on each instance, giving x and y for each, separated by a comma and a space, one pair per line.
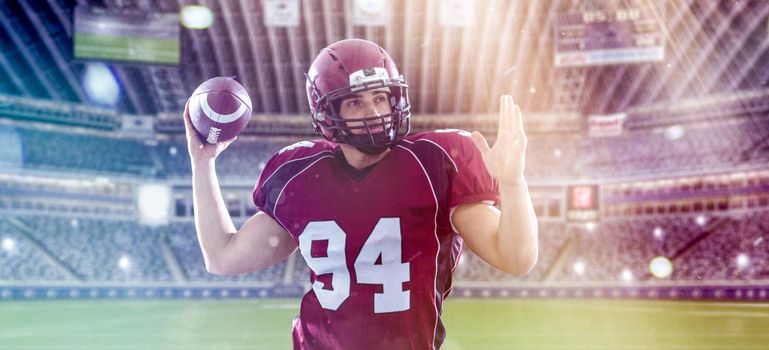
380, 98
352, 103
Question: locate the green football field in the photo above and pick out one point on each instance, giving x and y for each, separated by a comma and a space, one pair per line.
471, 324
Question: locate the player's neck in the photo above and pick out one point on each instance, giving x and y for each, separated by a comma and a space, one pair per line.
360, 160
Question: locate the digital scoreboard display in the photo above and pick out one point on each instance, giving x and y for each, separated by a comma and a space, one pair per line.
608, 36
582, 203
128, 37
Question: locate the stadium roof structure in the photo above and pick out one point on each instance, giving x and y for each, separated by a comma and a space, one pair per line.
711, 47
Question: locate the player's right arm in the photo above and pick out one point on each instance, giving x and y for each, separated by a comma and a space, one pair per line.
259, 243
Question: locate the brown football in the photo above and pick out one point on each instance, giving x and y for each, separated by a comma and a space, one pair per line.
220, 109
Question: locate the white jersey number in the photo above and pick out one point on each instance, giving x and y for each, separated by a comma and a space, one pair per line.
383, 244
333, 262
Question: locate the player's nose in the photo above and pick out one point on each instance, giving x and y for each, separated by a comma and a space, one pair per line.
372, 111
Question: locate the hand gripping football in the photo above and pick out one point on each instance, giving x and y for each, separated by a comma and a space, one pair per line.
220, 109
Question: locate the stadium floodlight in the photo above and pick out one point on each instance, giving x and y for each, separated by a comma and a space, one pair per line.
658, 233
124, 263
627, 275
674, 132
196, 17
742, 261
153, 202
8, 244
661, 267
701, 220
579, 268
100, 84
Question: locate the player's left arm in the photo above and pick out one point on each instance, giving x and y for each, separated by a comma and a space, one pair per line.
506, 238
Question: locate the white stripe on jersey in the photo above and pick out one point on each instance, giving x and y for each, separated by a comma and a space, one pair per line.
437, 240
294, 160
441, 148
277, 200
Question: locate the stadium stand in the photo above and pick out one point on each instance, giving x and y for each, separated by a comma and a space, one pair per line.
724, 143
183, 241
552, 237
625, 244
20, 260
735, 251
90, 250
93, 249
243, 159
648, 151
55, 151
301, 273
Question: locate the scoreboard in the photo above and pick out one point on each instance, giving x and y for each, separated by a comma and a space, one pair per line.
608, 36
126, 36
582, 203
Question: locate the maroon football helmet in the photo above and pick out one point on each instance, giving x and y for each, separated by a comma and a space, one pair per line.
348, 67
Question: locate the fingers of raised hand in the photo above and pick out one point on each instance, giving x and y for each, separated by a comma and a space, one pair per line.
509, 115
517, 119
503, 115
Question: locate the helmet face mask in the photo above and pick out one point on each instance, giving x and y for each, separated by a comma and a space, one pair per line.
370, 135
347, 68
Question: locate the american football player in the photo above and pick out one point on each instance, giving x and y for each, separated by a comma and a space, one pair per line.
380, 216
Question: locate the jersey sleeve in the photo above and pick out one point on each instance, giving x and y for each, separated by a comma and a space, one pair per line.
470, 181
279, 169
261, 191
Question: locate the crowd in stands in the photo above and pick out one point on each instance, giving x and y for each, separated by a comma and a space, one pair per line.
647, 152
99, 250
612, 247
736, 250
619, 249
701, 250
634, 152
244, 158
695, 147
20, 260
184, 243
717, 249
552, 237
55, 151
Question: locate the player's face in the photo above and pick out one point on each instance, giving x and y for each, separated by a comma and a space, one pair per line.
365, 104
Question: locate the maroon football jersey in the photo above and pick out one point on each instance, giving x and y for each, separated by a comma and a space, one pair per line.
379, 242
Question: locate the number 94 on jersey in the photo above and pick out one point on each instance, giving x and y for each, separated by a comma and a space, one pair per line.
385, 241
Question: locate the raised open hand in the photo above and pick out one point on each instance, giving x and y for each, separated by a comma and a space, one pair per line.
506, 160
